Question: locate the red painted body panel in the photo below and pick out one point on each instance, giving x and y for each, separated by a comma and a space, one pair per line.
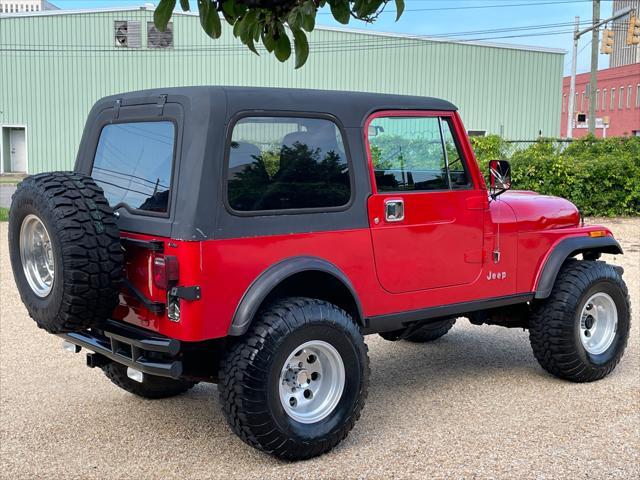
440, 240
443, 253
541, 212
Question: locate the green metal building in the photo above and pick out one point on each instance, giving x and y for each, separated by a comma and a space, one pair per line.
54, 65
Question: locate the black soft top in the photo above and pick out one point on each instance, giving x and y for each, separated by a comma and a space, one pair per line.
203, 116
351, 108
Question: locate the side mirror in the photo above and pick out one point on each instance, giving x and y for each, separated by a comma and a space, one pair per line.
500, 177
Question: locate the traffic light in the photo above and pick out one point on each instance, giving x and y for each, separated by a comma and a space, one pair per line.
607, 42
633, 32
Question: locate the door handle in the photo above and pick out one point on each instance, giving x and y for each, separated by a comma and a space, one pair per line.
394, 210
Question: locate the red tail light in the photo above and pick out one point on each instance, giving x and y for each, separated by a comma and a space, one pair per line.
165, 271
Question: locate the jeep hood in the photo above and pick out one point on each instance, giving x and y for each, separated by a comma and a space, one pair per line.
541, 212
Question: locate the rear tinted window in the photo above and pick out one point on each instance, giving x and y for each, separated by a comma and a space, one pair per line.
282, 163
133, 164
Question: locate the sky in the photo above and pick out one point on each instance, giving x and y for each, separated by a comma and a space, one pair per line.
446, 17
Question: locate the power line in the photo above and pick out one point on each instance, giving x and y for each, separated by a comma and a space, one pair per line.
473, 7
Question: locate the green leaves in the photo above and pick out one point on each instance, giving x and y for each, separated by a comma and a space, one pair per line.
340, 10
399, 9
301, 46
163, 13
600, 176
264, 21
283, 47
209, 18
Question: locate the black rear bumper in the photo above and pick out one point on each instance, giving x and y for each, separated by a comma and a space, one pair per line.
131, 346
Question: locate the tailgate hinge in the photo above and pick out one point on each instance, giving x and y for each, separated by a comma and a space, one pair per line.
186, 293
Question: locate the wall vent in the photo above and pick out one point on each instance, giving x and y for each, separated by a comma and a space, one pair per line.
158, 39
477, 133
127, 34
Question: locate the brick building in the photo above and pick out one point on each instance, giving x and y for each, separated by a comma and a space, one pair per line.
617, 100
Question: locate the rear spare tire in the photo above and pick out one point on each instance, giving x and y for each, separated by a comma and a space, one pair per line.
65, 251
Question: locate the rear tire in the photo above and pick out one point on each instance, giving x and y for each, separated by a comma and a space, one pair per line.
271, 391
580, 332
151, 387
65, 251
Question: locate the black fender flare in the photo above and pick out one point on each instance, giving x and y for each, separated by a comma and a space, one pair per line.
272, 277
568, 248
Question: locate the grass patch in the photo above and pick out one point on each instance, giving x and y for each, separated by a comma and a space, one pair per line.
10, 180
4, 214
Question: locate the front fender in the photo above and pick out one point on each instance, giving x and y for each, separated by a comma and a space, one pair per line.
568, 248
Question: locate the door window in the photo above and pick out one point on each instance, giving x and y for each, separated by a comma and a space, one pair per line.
415, 154
459, 177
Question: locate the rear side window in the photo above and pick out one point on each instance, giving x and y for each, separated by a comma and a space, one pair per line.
286, 163
133, 164
415, 154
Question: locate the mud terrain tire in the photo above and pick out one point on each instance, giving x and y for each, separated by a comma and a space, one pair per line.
432, 331
81, 245
250, 378
557, 326
424, 334
151, 387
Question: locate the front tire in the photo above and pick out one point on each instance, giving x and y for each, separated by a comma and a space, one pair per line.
295, 384
580, 332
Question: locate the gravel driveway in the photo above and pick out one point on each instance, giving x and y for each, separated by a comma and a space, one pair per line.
474, 404
6, 191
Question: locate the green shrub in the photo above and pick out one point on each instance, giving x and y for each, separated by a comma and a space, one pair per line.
600, 176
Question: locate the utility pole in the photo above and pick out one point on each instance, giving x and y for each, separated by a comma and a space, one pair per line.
594, 64
593, 81
572, 85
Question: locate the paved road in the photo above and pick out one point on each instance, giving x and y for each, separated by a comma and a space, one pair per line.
5, 194
474, 404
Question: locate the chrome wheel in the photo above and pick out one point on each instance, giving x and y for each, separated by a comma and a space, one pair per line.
598, 323
312, 381
37, 255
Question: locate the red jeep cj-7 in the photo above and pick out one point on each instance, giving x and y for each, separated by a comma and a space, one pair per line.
250, 237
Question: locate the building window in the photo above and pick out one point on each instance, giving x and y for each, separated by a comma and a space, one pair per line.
629, 93
621, 98
564, 103
287, 163
612, 100
638, 96
575, 102
604, 99
133, 164
597, 100
584, 94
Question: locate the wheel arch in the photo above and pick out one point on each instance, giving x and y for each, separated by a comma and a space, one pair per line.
567, 248
295, 277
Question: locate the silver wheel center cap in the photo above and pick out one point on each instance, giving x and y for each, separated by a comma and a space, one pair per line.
297, 377
302, 378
